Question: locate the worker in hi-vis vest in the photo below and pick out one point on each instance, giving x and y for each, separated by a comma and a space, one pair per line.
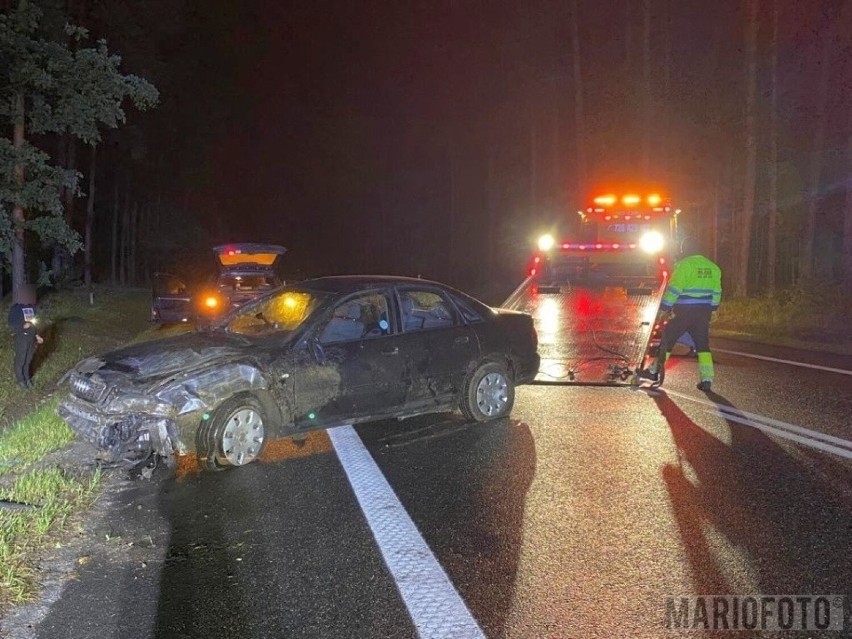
693, 293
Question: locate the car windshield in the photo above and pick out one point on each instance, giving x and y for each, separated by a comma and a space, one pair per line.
283, 311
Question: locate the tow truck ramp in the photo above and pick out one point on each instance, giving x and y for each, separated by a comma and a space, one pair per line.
591, 333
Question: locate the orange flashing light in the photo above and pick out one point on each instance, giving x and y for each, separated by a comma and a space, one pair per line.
606, 200
654, 199
211, 301
631, 200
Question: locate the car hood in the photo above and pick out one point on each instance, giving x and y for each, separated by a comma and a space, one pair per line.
151, 361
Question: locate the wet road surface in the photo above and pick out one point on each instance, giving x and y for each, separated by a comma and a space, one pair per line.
576, 517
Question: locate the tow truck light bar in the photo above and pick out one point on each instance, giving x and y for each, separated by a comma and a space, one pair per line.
571, 246
630, 199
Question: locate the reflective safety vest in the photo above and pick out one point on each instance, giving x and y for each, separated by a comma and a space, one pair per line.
695, 280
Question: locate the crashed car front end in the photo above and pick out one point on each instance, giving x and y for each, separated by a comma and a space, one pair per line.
151, 401
126, 426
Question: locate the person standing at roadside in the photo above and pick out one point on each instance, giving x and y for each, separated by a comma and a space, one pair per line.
22, 321
693, 293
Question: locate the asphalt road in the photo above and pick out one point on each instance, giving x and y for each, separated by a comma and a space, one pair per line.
576, 517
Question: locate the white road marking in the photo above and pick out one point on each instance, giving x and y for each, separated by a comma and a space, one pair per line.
842, 371
799, 434
435, 606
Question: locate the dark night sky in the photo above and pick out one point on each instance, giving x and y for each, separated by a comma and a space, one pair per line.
345, 130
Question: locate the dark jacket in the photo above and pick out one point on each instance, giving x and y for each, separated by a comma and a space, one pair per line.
21, 314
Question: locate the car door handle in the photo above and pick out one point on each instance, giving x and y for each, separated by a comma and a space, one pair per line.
462, 340
391, 351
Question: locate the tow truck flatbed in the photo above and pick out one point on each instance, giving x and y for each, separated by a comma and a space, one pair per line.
593, 334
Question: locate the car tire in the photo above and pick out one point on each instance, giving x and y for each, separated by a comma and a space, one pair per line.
489, 393
235, 435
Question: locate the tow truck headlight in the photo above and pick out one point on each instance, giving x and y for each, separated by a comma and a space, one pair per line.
652, 242
546, 242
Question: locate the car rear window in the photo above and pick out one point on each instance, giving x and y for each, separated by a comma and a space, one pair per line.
468, 313
246, 282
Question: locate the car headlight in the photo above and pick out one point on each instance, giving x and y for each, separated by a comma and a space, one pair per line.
546, 242
652, 242
138, 404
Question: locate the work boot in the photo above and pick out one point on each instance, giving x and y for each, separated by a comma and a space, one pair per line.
704, 386
647, 373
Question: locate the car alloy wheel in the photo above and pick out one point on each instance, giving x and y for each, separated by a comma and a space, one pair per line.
234, 435
492, 394
489, 393
242, 437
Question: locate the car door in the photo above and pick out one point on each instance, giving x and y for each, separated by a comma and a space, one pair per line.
436, 344
171, 301
357, 372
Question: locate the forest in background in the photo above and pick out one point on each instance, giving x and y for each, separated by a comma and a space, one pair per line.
377, 138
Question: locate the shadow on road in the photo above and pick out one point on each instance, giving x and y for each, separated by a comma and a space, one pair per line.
790, 525
465, 486
281, 548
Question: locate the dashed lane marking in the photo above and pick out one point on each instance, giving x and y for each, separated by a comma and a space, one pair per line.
436, 608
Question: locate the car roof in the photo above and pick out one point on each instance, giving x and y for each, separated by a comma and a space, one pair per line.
345, 284
352, 283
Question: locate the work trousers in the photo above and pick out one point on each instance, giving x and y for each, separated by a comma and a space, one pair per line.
695, 320
25, 343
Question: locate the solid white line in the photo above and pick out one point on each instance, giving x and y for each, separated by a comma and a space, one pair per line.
435, 606
842, 371
813, 438
807, 441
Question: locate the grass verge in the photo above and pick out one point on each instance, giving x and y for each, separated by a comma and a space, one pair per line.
811, 315
40, 489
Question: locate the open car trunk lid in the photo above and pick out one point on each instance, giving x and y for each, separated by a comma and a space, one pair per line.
248, 256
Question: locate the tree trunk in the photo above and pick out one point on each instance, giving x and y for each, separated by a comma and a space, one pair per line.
716, 211
579, 115
646, 83
125, 236
133, 242
807, 260
667, 53
116, 211
492, 212
847, 227
772, 222
534, 164
19, 274
745, 222
453, 211
90, 222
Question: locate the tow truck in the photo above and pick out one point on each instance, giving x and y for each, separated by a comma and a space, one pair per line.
595, 295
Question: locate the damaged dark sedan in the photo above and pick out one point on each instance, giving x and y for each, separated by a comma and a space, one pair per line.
325, 352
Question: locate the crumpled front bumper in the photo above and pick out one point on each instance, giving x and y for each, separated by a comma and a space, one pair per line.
125, 438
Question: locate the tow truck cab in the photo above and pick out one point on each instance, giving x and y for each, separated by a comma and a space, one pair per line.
628, 237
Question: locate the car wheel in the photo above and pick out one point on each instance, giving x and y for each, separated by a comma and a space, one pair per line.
488, 394
235, 435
